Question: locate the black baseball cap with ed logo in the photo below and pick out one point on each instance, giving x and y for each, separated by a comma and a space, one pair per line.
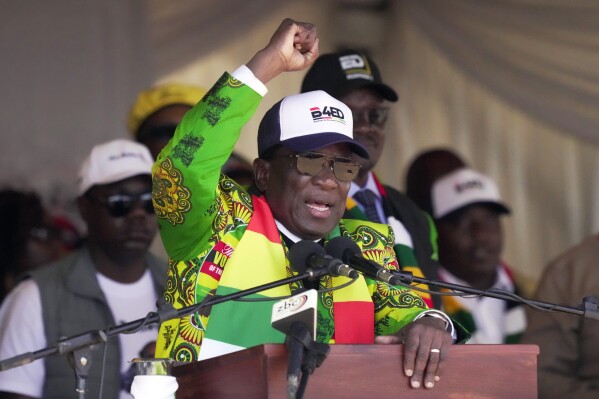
338, 73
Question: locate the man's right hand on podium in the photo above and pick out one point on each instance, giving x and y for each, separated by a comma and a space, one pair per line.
426, 342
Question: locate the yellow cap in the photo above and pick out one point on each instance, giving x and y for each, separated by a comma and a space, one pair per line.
156, 98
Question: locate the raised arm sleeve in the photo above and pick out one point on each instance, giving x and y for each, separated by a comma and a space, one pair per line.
187, 171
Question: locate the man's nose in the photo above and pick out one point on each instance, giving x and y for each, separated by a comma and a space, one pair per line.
484, 234
138, 208
326, 177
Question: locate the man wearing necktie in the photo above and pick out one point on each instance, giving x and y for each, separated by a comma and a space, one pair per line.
354, 79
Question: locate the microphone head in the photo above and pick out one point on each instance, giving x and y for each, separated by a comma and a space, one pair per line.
300, 253
342, 248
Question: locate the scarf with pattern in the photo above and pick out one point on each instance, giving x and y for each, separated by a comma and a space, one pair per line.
344, 316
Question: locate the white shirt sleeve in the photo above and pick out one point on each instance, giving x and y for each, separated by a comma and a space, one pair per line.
245, 75
22, 331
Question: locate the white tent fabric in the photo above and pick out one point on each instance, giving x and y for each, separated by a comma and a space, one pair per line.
512, 85
539, 56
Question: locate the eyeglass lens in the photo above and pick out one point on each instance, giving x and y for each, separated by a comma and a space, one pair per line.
375, 116
120, 205
313, 163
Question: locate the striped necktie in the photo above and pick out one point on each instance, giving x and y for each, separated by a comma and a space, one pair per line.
368, 199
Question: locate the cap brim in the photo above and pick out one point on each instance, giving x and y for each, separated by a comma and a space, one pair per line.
497, 206
123, 175
501, 208
315, 141
385, 91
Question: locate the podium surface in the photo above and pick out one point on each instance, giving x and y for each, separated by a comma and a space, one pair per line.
363, 371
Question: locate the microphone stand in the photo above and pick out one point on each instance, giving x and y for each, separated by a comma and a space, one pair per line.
350, 253
78, 347
587, 309
305, 354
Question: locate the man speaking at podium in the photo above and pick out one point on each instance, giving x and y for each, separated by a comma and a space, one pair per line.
222, 238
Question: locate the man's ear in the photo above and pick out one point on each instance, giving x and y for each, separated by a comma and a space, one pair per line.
261, 173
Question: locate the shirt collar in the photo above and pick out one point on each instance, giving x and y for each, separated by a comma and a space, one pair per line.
370, 185
285, 231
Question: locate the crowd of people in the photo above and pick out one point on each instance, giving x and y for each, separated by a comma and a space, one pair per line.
226, 224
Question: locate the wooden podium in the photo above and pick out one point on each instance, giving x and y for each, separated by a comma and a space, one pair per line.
364, 371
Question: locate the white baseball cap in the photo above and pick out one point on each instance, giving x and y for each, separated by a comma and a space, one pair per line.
464, 187
306, 122
114, 161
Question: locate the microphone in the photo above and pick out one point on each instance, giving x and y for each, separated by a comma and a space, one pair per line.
298, 308
296, 317
349, 252
306, 254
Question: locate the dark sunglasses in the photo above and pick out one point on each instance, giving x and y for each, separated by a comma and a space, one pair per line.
372, 116
312, 163
119, 205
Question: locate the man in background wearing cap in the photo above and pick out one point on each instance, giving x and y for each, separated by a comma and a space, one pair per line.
467, 209
222, 238
426, 168
354, 79
112, 279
